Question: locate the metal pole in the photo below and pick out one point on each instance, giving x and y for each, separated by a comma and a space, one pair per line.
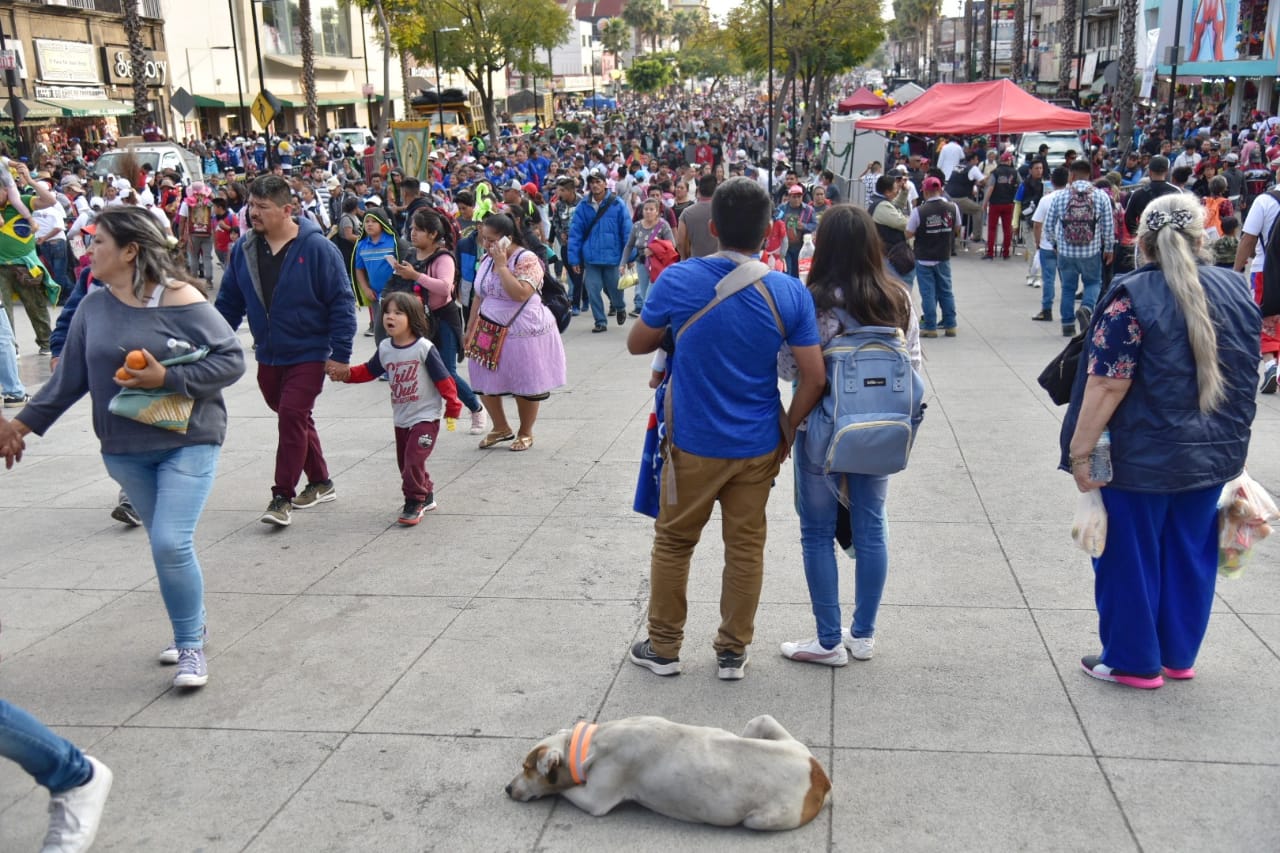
551, 73
257, 48
1026, 51
13, 100
1173, 70
769, 158
435, 46
369, 100
235, 47
1080, 49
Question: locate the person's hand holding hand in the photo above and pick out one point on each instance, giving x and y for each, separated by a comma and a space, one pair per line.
151, 376
11, 443
337, 371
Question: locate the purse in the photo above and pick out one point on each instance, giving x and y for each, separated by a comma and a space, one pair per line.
1060, 374
155, 406
484, 341
902, 258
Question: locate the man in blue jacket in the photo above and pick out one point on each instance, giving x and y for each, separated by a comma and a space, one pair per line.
290, 282
600, 229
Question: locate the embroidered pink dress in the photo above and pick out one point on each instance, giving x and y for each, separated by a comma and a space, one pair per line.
532, 360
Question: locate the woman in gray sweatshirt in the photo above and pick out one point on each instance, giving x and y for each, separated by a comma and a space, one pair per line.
148, 305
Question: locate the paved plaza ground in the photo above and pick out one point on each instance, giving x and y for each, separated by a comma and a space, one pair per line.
372, 688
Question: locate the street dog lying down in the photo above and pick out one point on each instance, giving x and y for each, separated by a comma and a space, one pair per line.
765, 779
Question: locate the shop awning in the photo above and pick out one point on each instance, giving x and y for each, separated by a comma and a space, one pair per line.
35, 109
71, 108
222, 100
325, 99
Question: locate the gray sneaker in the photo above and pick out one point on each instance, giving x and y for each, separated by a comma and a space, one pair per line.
279, 512
170, 655
74, 814
193, 670
316, 493
126, 514
731, 666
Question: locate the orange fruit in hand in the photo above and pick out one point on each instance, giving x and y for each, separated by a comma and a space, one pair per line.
123, 375
135, 360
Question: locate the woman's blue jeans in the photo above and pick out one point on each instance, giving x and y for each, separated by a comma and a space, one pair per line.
449, 345
169, 488
9, 381
52, 760
818, 507
642, 284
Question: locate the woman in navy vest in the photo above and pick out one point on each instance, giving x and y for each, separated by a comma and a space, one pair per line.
1170, 370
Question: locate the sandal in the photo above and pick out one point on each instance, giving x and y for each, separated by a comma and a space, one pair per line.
495, 437
524, 442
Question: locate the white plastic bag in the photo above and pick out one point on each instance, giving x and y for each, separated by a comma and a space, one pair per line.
1089, 527
1243, 512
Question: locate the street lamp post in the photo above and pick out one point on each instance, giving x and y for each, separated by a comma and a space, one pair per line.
1173, 69
769, 160
235, 48
435, 46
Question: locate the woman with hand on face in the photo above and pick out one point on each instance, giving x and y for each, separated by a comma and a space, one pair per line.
148, 305
531, 363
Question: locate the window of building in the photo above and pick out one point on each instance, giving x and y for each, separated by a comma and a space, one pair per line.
330, 28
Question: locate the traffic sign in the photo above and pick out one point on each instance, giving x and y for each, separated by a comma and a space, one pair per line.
264, 108
8, 60
182, 101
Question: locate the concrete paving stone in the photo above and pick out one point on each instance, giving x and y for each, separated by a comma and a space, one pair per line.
607, 491
1052, 572
946, 564
260, 558
1226, 713
573, 559
1024, 499
53, 476
397, 792
34, 533
31, 615
956, 679
303, 669
1267, 627
16, 787
517, 668
895, 800
698, 697
527, 480
934, 494
187, 789
78, 677
1198, 806
448, 556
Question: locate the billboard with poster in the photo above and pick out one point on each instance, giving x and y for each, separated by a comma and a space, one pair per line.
1220, 38
1209, 30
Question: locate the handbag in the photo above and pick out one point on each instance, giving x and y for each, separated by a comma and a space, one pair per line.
155, 406
484, 341
902, 258
1060, 374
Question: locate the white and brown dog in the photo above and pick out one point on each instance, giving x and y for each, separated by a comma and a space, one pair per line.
765, 779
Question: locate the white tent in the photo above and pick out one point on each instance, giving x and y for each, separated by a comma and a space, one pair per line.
850, 153
905, 93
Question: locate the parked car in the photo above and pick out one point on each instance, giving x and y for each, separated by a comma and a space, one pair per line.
356, 137
159, 155
1059, 142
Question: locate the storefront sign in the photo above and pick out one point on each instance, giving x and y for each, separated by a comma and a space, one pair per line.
118, 64
71, 93
12, 45
67, 61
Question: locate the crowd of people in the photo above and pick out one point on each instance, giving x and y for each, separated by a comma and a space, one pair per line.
307, 240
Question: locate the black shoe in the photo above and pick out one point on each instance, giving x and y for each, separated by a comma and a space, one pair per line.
642, 654
599, 327
12, 400
732, 667
1068, 331
621, 314
126, 514
634, 314
1043, 315
413, 510
45, 351
987, 257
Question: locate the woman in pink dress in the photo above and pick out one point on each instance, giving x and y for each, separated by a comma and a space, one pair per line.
532, 360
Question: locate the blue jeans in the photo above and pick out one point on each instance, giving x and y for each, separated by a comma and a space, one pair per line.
793, 262
1048, 279
604, 277
818, 506
1070, 270
642, 285
9, 381
54, 254
935, 290
169, 488
53, 761
448, 344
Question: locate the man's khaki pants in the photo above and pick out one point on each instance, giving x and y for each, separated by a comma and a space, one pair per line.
742, 487
33, 299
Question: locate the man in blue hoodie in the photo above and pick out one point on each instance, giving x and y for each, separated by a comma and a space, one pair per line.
291, 284
600, 229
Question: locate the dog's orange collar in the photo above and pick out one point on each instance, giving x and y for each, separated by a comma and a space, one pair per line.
579, 749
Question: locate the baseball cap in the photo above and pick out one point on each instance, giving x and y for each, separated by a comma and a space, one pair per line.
931, 183
514, 185
1232, 158
1006, 156
900, 169
796, 189
530, 188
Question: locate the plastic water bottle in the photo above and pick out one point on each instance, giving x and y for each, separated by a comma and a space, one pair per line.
806, 258
1100, 459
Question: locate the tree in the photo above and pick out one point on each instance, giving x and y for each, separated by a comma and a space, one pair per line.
615, 36
138, 61
312, 114
685, 24
491, 35
648, 18
1066, 46
969, 35
1126, 72
652, 72
1019, 58
709, 53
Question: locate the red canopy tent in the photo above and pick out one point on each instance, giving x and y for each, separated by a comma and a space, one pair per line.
972, 108
863, 99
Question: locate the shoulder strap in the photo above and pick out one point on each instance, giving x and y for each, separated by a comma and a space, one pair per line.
604, 205
742, 276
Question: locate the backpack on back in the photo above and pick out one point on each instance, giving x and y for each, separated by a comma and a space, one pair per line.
866, 421
1080, 219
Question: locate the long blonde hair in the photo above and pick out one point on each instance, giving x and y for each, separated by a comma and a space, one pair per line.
1171, 235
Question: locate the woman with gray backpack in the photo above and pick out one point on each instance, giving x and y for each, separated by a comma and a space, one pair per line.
853, 440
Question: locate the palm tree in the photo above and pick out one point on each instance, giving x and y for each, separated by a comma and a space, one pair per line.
1066, 46
615, 36
1125, 71
646, 17
969, 36
1019, 46
312, 114
138, 58
685, 24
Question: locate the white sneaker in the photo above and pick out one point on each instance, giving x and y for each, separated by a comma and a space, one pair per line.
479, 423
74, 814
811, 651
860, 648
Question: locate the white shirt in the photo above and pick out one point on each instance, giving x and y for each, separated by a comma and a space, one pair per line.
1262, 215
51, 222
951, 155
1042, 212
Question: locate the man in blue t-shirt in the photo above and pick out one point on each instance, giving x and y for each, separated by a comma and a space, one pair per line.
727, 439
